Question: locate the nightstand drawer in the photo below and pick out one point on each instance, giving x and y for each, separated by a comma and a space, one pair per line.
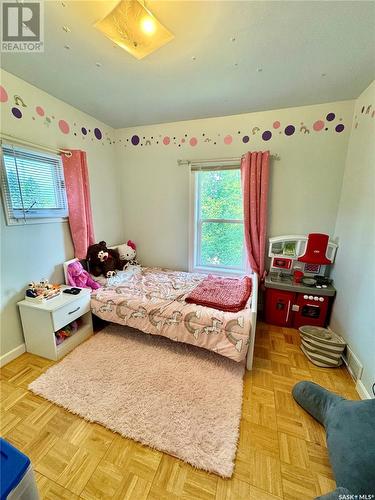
61, 317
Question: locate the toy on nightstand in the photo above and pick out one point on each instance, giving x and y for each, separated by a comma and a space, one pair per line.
42, 291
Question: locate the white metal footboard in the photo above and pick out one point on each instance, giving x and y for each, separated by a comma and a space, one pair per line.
254, 309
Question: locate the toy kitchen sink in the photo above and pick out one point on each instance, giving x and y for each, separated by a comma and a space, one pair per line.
298, 288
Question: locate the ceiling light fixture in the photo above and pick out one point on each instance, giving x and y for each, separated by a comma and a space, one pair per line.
134, 28
148, 25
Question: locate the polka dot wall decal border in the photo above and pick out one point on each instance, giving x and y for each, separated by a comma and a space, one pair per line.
39, 111
318, 125
98, 133
3, 94
64, 126
329, 122
289, 130
267, 134
17, 113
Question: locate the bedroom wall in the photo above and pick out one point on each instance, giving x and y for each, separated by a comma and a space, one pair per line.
354, 270
38, 250
305, 183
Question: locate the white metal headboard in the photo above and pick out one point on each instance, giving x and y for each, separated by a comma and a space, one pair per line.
65, 266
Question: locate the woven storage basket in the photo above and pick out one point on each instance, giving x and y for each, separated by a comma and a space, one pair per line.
323, 347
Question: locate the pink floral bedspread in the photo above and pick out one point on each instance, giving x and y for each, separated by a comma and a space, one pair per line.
153, 301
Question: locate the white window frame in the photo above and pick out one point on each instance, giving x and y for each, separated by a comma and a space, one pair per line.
15, 216
195, 228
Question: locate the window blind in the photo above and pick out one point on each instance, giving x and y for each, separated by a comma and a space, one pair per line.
32, 185
200, 168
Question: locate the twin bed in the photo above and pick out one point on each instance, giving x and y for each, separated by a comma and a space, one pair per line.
152, 300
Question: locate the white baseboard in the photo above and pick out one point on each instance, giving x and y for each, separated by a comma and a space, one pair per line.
362, 391
11, 355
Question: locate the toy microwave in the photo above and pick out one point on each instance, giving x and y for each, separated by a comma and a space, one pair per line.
310, 254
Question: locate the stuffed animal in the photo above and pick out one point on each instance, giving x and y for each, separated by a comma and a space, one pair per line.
77, 276
66, 332
103, 260
127, 253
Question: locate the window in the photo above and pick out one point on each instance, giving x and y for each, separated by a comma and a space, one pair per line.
218, 221
33, 186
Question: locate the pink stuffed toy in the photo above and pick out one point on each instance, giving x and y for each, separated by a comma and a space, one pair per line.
77, 276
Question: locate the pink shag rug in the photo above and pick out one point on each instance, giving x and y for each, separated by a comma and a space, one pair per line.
177, 398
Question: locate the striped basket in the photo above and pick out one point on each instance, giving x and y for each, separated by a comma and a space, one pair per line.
322, 347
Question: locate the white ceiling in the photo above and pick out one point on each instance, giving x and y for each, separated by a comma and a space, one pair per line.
293, 43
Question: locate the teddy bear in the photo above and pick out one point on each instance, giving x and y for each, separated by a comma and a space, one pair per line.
103, 260
127, 253
77, 276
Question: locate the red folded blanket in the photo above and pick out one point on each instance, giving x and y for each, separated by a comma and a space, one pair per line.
225, 294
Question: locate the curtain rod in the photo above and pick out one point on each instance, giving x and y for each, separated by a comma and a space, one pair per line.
275, 157
24, 142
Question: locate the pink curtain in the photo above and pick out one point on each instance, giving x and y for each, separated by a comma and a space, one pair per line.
255, 180
79, 203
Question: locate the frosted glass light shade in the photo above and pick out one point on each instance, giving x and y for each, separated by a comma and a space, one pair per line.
131, 26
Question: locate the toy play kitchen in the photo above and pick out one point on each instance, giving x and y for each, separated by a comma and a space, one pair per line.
298, 288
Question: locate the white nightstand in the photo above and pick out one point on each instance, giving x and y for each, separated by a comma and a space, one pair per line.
41, 321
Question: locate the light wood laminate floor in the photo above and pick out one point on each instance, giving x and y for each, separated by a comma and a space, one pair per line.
281, 452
